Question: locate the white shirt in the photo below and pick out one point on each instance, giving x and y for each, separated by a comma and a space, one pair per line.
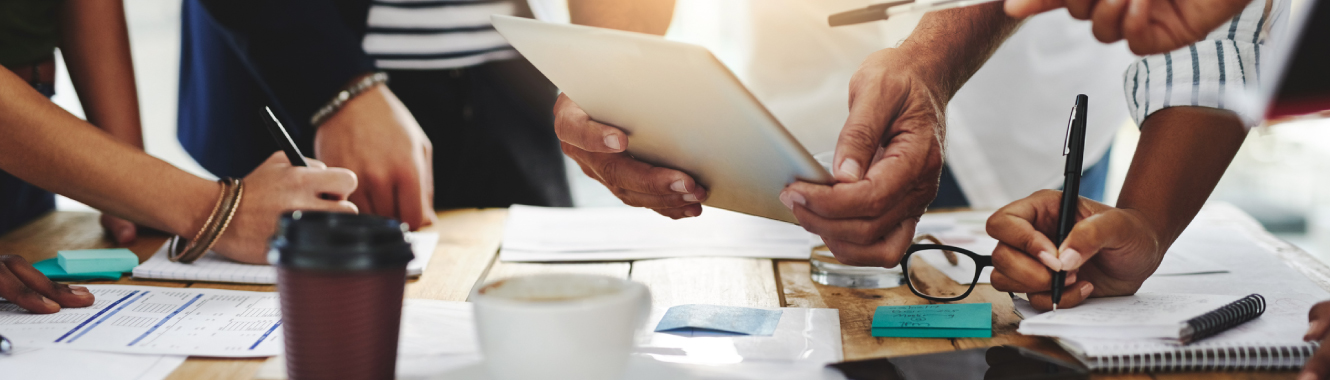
1005, 127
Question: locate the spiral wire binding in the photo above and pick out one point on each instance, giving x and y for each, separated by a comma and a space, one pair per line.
1209, 357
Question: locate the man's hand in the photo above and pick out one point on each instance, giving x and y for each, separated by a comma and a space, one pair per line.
888, 162
28, 288
276, 188
1149, 26
1110, 252
600, 150
1318, 367
376, 137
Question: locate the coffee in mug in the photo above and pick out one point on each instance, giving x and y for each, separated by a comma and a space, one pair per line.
559, 326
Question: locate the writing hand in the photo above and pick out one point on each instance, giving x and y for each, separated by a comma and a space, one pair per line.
1110, 252
273, 189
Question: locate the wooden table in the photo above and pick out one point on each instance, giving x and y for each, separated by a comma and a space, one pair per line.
467, 256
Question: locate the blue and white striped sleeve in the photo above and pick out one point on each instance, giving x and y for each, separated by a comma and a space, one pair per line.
1214, 72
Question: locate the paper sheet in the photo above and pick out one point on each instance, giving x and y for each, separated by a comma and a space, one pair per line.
439, 342
622, 233
53, 364
1126, 317
156, 320
716, 320
1225, 236
214, 267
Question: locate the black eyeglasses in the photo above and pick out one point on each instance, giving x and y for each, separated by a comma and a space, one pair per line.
937, 272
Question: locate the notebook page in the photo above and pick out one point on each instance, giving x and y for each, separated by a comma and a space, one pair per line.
215, 268
1232, 242
1143, 315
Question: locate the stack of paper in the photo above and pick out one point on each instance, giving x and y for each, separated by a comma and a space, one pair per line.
622, 233
214, 267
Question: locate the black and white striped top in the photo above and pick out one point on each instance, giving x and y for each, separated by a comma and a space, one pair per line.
435, 34
1214, 72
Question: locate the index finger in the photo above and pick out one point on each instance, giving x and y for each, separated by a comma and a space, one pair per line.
575, 127
886, 185
1014, 226
410, 201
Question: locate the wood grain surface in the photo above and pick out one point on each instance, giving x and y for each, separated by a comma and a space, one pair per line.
467, 256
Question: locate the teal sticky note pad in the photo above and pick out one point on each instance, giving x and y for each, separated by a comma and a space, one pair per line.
51, 268
117, 260
967, 320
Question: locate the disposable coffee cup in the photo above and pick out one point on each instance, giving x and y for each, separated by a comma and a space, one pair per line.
340, 279
559, 326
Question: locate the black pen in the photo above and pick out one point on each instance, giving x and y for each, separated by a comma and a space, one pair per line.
1071, 185
283, 139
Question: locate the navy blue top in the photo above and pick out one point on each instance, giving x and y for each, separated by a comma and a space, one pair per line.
239, 55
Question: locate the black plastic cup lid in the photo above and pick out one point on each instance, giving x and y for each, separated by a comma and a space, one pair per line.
327, 241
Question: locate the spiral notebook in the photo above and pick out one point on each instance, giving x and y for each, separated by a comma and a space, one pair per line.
1164, 332
215, 268
1255, 263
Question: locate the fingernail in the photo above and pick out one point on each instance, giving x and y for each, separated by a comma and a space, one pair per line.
612, 141
851, 168
1307, 376
785, 199
690, 212
1085, 290
689, 198
1070, 259
1071, 279
1049, 260
50, 303
79, 290
678, 187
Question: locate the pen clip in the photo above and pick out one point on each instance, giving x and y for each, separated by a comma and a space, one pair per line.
1066, 138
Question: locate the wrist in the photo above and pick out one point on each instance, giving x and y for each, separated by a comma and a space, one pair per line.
192, 207
347, 96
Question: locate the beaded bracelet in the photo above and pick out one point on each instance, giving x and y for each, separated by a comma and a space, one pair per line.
355, 89
220, 218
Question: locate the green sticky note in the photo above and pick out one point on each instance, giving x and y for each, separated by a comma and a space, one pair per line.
81, 261
51, 268
964, 320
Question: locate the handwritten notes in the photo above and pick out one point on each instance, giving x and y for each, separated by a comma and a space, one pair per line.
971, 320
1144, 315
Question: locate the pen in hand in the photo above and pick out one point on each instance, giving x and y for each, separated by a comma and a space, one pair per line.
282, 138
1071, 187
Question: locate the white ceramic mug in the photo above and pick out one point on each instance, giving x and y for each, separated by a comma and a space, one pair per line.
559, 326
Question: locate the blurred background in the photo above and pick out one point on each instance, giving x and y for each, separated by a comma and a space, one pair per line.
1281, 175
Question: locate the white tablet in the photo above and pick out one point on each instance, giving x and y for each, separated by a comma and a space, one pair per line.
680, 106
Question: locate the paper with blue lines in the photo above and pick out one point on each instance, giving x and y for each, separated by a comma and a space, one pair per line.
156, 320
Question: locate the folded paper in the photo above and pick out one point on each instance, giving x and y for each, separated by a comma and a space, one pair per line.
694, 319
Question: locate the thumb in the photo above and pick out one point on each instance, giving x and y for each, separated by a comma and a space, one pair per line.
1090, 235
862, 134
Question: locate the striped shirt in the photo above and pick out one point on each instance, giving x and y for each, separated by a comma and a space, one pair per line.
435, 34
1215, 72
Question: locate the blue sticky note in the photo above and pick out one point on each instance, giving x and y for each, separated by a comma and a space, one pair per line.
51, 268
964, 320
97, 260
691, 320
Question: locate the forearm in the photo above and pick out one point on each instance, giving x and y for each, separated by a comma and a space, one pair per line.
1183, 151
95, 44
949, 46
46, 146
643, 16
